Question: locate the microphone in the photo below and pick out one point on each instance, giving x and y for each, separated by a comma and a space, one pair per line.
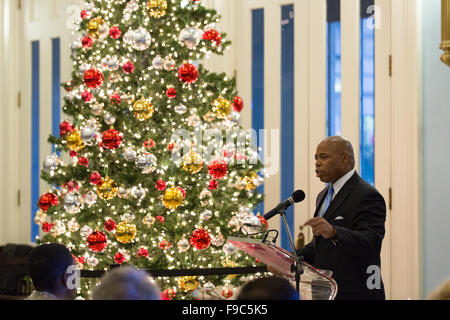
297, 196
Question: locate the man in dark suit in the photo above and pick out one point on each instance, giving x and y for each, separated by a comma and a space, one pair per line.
348, 224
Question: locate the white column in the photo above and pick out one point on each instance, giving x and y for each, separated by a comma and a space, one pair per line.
383, 125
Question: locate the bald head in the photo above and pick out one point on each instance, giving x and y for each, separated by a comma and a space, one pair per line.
334, 158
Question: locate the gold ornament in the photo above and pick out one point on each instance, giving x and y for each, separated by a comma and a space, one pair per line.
247, 182
74, 141
172, 198
94, 26
222, 107
157, 8
143, 109
125, 232
193, 162
228, 263
188, 283
108, 189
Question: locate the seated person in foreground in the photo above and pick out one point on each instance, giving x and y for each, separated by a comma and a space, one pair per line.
269, 288
126, 283
53, 271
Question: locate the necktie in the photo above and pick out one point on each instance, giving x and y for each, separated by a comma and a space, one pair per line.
328, 199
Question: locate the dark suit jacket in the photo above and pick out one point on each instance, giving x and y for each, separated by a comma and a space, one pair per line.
359, 237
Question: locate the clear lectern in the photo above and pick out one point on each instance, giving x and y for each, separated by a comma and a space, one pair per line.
315, 284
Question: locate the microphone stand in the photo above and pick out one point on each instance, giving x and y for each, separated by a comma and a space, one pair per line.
297, 267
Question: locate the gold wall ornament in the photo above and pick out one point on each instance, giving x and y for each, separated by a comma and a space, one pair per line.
445, 44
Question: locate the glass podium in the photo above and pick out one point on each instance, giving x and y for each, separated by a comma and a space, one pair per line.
315, 284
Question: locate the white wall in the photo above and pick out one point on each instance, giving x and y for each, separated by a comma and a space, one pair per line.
436, 151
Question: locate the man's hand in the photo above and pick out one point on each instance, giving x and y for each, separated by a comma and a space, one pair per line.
321, 227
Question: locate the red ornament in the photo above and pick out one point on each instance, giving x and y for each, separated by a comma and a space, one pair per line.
213, 184
82, 161
119, 258
227, 293
128, 67
142, 252
168, 294
115, 32
68, 86
97, 241
115, 98
238, 104
264, 222
160, 218
71, 186
171, 93
80, 260
65, 127
110, 225
73, 154
46, 227
188, 73
182, 191
47, 200
83, 14
214, 36
111, 139
218, 169
95, 178
164, 245
93, 78
200, 239
87, 42
149, 144
171, 146
161, 185
86, 96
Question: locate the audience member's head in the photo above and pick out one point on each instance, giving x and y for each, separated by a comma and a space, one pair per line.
442, 292
50, 267
126, 283
269, 288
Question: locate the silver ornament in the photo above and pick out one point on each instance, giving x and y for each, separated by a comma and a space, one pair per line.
88, 134
138, 192
148, 220
132, 6
209, 287
112, 64
109, 119
206, 215
141, 39
180, 109
97, 109
51, 163
72, 203
92, 261
218, 240
130, 154
190, 37
147, 162
86, 231
90, 198
122, 193
229, 249
128, 36
183, 245
169, 64
73, 225
158, 62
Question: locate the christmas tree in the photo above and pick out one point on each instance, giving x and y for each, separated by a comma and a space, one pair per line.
157, 172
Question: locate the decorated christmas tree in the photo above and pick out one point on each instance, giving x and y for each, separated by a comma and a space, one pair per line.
157, 172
